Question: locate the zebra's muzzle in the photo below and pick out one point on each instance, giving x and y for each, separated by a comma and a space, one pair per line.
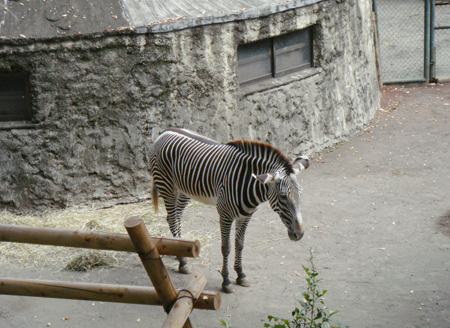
295, 236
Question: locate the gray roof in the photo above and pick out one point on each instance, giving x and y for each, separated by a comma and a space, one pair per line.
179, 14
52, 18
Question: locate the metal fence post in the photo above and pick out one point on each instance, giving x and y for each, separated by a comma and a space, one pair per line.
426, 45
432, 38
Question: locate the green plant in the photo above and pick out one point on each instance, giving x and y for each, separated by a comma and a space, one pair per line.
224, 323
312, 313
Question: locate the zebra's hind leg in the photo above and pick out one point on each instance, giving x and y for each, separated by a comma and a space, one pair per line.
175, 204
182, 202
241, 226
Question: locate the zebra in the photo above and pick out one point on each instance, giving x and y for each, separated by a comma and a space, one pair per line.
235, 176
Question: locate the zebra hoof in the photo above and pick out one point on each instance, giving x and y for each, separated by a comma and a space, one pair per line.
229, 289
243, 282
184, 269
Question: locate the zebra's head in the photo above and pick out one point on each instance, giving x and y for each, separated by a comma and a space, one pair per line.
284, 196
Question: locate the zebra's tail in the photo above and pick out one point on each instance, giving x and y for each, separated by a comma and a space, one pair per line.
154, 195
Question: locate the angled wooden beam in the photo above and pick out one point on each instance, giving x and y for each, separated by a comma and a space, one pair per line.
152, 262
185, 302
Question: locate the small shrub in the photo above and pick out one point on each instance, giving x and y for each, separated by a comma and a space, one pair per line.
224, 323
312, 313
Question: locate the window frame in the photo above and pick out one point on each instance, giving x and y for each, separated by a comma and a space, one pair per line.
274, 73
16, 94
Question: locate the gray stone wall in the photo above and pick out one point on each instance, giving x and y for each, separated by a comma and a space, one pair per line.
100, 102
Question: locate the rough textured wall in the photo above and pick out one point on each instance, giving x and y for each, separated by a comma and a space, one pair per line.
318, 111
100, 102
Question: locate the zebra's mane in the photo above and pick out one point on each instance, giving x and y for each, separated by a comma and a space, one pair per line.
258, 149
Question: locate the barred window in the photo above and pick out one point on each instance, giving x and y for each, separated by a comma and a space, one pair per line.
275, 57
14, 97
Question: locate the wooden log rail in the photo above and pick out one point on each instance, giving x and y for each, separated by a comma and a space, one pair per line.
94, 240
177, 303
97, 292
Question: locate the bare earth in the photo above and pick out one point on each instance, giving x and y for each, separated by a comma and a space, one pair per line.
376, 211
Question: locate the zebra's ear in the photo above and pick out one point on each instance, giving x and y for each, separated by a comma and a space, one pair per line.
300, 163
266, 178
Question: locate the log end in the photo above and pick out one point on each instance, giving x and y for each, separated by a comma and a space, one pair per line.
217, 301
208, 301
132, 222
196, 248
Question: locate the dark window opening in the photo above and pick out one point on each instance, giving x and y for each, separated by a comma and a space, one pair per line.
275, 57
14, 97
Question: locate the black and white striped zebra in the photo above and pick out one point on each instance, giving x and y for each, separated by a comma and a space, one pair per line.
236, 177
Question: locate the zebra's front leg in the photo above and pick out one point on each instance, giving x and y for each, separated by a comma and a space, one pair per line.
241, 226
225, 230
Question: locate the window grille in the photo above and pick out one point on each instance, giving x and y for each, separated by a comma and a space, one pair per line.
274, 57
14, 97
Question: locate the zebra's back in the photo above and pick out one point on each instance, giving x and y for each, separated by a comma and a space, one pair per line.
191, 163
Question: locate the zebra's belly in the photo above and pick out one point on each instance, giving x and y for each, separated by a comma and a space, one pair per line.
192, 190
212, 200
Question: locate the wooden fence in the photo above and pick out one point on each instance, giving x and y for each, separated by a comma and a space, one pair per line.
178, 303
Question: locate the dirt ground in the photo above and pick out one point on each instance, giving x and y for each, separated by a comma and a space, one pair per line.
376, 211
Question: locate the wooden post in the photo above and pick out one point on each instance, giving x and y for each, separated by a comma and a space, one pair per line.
152, 263
94, 240
185, 302
377, 50
96, 292
151, 260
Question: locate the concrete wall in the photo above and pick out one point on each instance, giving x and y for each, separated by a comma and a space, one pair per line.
100, 102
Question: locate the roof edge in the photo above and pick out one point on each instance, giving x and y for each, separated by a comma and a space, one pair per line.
181, 23
168, 25
127, 30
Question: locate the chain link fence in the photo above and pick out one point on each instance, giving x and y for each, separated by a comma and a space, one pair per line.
406, 50
442, 40
401, 34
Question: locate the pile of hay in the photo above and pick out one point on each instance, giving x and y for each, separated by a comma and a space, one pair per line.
106, 219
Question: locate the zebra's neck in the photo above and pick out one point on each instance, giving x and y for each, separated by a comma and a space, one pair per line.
268, 158
257, 158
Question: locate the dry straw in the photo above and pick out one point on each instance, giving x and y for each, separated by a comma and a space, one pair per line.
83, 218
